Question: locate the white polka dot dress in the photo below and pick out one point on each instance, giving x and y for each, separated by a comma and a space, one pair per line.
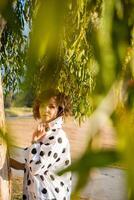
42, 161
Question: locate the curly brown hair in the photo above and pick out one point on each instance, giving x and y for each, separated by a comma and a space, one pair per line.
63, 102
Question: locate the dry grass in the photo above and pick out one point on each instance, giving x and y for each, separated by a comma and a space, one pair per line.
17, 111
17, 185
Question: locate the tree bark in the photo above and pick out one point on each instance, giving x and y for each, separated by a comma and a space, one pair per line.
5, 172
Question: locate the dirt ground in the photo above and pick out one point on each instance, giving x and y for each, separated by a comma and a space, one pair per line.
102, 183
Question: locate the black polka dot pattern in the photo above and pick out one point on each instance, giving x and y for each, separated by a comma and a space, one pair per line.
58, 160
61, 183
38, 162
45, 172
60, 140
49, 153
55, 155
44, 191
34, 151
66, 162
51, 138
47, 144
49, 166
57, 190
52, 177
63, 151
42, 177
24, 197
29, 182
42, 153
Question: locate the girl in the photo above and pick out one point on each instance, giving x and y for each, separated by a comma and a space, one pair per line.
49, 151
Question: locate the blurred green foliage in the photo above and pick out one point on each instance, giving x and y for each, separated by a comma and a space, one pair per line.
59, 50
6, 138
13, 43
84, 48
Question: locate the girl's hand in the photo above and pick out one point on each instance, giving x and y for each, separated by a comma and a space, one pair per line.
39, 133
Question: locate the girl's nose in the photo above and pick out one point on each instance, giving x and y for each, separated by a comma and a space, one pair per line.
47, 109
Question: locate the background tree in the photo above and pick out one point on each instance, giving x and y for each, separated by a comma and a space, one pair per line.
4, 170
12, 48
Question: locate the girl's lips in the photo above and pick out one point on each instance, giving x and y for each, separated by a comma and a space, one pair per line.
46, 115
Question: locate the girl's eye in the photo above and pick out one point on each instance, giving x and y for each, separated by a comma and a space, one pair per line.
51, 106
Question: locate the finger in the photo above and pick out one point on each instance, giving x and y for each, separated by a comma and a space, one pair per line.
41, 128
34, 134
38, 127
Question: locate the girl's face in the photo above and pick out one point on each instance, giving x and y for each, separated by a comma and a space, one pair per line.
49, 111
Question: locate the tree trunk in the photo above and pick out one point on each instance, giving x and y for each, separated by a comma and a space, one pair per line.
5, 184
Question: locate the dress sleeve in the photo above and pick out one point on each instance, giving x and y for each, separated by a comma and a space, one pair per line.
50, 154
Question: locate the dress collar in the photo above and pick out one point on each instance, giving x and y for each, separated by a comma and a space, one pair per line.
56, 123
